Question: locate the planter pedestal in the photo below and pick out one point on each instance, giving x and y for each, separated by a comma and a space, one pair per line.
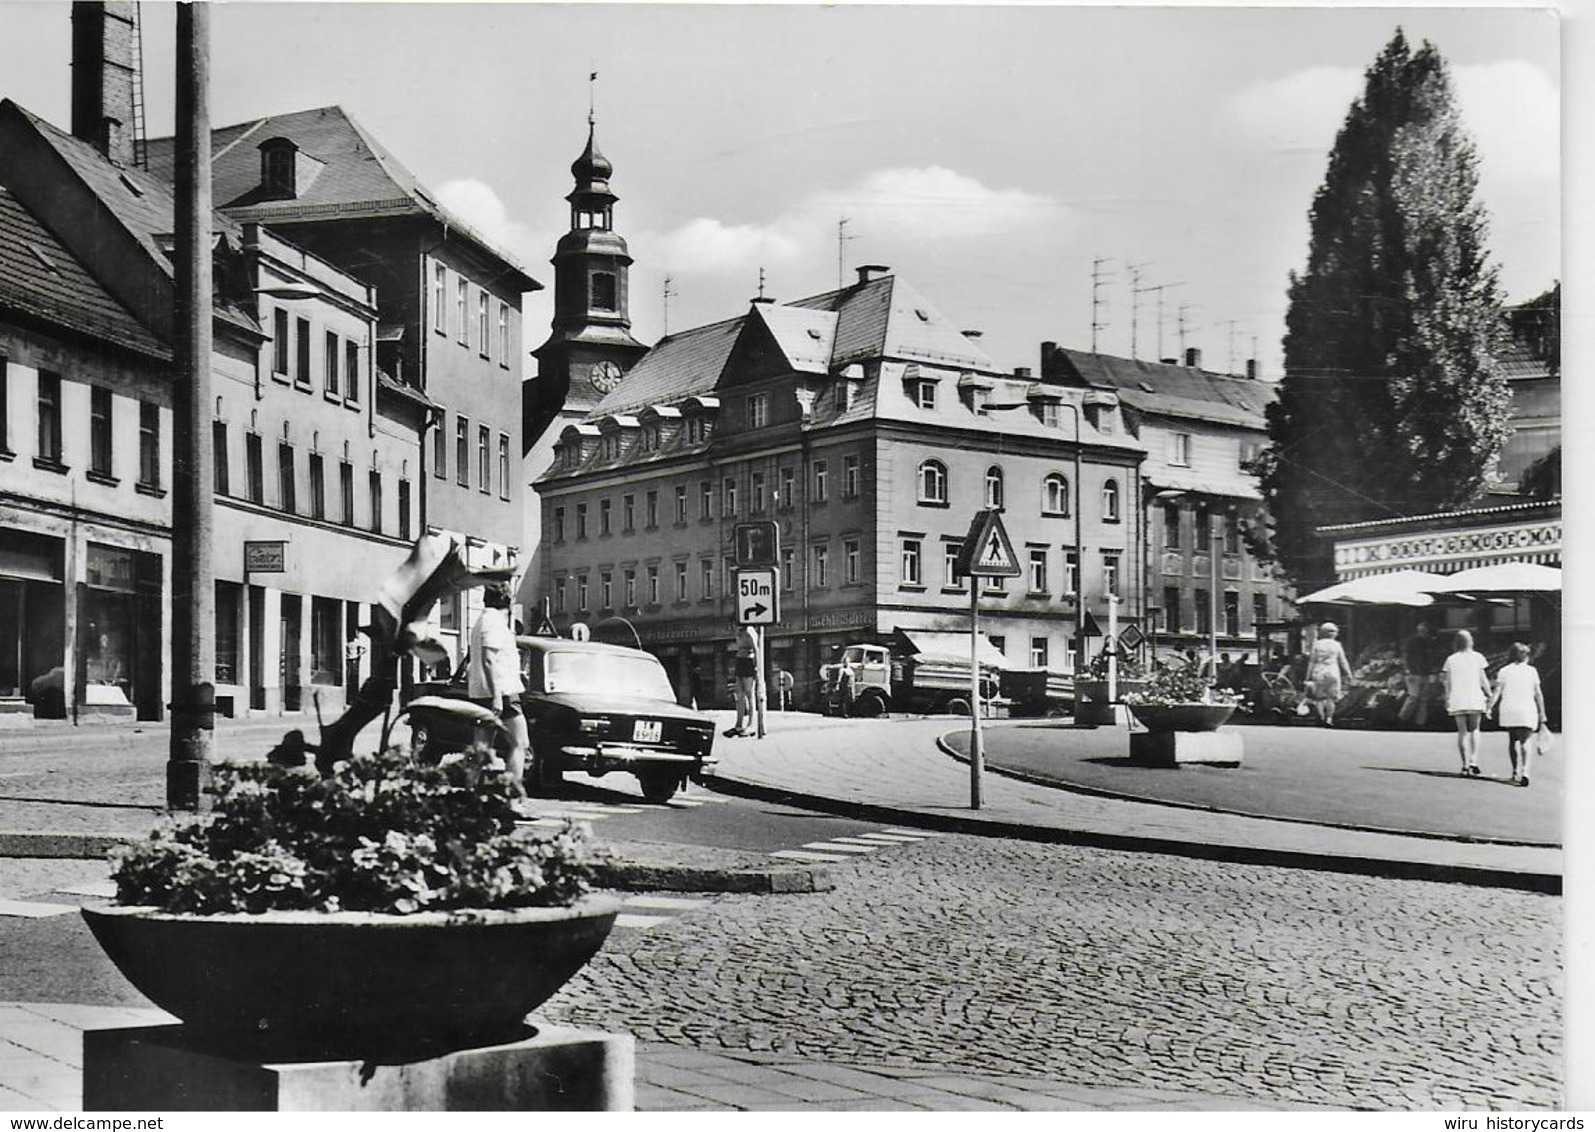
1176, 748
155, 1068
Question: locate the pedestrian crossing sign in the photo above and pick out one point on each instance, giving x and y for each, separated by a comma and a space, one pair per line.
987, 553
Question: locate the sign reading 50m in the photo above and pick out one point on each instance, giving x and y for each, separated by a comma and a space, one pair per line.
758, 596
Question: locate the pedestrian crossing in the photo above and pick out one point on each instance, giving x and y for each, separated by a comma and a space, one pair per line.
554, 814
846, 848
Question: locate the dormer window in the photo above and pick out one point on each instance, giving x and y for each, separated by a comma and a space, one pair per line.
278, 158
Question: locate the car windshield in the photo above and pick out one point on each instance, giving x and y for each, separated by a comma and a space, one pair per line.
856, 655
609, 674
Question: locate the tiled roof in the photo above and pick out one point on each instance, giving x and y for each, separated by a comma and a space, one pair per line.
1175, 391
676, 368
357, 176
805, 336
888, 318
39, 277
1519, 364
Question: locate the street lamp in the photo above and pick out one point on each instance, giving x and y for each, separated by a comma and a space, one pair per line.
617, 617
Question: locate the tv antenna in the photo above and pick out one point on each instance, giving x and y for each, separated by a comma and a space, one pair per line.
841, 242
1160, 288
1183, 326
1099, 279
1136, 290
668, 293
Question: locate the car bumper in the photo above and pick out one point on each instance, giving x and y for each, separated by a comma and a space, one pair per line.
619, 756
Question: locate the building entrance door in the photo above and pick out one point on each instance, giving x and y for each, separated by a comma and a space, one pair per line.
288, 669
257, 649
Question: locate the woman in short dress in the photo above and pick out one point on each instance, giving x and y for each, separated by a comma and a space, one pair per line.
1467, 695
1326, 666
1522, 708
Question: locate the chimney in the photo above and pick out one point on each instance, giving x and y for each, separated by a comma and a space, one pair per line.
1251, 369
103, 77
870, 271
1022, 372
1193, 358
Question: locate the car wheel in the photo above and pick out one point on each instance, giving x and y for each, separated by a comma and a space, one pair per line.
659, 785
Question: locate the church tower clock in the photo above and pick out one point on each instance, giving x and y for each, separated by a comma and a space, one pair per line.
590, 347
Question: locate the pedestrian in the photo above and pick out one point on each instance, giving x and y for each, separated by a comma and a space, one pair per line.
1417, 659
1522, 708
695, 684
783, 688
494, 676
1327, 673
747, 675
1467, 695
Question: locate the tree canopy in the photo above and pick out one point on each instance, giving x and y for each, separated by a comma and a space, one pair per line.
1392, 402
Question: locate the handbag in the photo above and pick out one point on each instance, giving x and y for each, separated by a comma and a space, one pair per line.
1544, 741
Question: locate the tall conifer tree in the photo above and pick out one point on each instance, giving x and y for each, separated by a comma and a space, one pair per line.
1392, 401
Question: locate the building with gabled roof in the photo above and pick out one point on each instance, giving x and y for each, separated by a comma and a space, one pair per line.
871, 431
316, 456
1201, 431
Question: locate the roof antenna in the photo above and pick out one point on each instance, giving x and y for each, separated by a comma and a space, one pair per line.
841, 243
669, 292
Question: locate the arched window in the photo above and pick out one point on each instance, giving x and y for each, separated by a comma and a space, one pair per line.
1110, 501
933, 483
1055, 495
994, 487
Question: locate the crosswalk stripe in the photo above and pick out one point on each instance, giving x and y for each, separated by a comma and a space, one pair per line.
668, 903
804, 855
34, 910
838, 847
578, 810
887, 838
864, 841
913, 832
625, 920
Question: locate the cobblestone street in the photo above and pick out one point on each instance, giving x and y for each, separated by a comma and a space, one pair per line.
1092, 967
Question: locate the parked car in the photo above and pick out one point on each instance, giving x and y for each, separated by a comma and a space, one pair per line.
589, 707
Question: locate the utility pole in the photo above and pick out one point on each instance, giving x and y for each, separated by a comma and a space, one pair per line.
193, 577
1099, 279
841, 242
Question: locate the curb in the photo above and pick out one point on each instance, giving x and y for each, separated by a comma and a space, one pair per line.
52, 843
634, 876
1546, 883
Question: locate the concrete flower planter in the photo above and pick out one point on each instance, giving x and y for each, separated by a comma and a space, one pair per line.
352, 983
1182, 717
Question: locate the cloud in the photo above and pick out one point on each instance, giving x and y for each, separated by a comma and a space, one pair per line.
479, 206
1301, 110
920, 204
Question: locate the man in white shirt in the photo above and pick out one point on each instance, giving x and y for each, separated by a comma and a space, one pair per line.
495, 673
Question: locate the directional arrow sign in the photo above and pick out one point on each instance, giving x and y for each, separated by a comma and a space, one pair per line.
758, 596
987, 552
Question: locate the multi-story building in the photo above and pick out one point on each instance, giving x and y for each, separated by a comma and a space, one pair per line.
872, 431
316, 454
1201, 431
448, 301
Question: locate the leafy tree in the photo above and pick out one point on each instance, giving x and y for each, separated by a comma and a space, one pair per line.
1392, 401
1542, 480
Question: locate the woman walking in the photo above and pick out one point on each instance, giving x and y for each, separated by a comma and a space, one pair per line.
1325, 667
1467, 694
1522, 708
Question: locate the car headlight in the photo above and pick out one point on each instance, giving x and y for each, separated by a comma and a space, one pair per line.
593, 724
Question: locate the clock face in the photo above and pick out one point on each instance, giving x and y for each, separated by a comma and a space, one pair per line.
604, 376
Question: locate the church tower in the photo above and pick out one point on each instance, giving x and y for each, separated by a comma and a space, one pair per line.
591, 346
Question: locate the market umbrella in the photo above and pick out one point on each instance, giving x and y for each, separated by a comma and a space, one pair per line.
1503, 579
1402, 587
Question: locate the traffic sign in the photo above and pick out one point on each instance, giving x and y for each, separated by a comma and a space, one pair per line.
1131, 639
758, 596
757, 543
986, 552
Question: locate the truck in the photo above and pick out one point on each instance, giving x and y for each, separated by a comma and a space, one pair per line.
920, 671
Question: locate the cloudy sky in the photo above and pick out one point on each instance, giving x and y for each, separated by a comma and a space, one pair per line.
988, 155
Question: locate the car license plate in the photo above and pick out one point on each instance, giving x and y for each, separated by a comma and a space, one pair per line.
647, 731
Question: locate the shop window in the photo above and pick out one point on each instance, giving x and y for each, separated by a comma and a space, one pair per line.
229, 595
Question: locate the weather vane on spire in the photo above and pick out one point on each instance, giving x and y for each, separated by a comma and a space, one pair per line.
592, 97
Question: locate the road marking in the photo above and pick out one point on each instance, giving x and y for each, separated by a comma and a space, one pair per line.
104, 889
838, 847
864, 841
913, 832
642, 923
803, 855
887, 838
669, 903
589, 810
34, 910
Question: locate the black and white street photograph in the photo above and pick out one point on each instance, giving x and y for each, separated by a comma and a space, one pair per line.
789, 558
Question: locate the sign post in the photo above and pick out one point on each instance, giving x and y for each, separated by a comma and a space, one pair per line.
758, 605
986, 553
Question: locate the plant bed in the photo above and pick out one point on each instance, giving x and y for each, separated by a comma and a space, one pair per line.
1182, 717
1181, 700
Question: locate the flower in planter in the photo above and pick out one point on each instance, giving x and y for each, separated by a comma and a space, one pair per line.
1178, 686
380, 834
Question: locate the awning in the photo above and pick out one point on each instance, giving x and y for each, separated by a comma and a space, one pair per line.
1504, 579
1401, 587
951, 646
